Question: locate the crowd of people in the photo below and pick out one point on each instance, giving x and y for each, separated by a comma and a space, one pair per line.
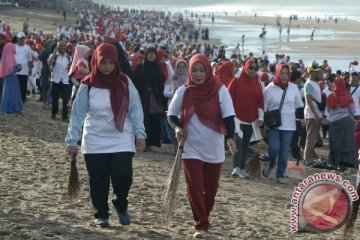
135, 80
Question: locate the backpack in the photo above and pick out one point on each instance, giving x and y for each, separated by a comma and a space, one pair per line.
321, 105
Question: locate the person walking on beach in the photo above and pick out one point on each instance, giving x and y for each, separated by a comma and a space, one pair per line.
248, 100
179, 78
280, 94
312, 113
60, 63
341, 127
2, 45
206, 116
45, 74
11, 102
108, 103
78, 70
355, 93
23, 56
149, 81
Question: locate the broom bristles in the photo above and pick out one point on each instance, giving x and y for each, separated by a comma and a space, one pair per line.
253, 166
349, 225
169, 194
73, 189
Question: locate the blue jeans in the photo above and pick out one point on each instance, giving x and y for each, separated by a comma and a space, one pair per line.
279, 141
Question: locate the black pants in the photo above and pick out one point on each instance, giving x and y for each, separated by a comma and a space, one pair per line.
242, 146
23, 79
101, 168
56, 90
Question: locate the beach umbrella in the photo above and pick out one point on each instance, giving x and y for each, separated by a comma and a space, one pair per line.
349, 225
172, 183
253, 167
73, 188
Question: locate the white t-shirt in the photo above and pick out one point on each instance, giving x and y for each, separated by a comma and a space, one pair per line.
356, 98
312, 88
61, 69
327, 92
292, 101
23, 56
99, 122
202, 142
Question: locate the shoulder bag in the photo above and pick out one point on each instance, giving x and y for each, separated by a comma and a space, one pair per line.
272, 119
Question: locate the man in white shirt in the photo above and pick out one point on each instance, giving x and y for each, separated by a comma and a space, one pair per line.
355, 93
312, 113
59, 62
23, 56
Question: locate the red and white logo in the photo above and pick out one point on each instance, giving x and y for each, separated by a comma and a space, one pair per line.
324, 206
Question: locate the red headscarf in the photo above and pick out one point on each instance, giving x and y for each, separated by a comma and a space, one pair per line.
116, 82
225, 72
340, 96
202, 99
277, 80
134, 60
247, 95
160, 55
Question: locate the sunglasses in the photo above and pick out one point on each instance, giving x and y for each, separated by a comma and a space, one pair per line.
253, 68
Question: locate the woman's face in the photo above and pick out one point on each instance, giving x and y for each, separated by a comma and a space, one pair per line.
284, 75
198, 73
252, 70
181, 68
151, 56
107, 66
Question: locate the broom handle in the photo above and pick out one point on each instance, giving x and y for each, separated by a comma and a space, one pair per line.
259, 146
181, 144
73, 157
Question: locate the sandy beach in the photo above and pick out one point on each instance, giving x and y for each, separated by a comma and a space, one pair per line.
345, 43
33, 180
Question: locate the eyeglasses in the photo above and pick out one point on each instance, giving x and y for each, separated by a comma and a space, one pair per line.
253, 68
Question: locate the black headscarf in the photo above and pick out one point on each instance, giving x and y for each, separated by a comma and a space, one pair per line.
123, 61
152, 71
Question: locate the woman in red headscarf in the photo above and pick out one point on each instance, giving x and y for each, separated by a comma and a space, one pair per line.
206, 116
136, 59
225, 72
247, 96
341, 109
279, 138
109, 108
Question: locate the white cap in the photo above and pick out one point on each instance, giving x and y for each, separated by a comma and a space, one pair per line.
20, 35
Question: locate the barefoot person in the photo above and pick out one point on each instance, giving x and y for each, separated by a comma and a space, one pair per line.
206, 115
112, 116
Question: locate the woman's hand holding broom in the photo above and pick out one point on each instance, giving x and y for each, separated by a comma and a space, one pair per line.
231, 145
180, 134
71, 150
140, 144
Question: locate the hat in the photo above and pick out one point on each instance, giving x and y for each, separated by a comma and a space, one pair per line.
313, 68
20, 35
